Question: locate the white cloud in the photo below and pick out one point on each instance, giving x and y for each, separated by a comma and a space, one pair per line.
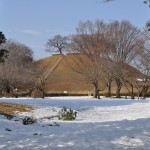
29, 31
54, 32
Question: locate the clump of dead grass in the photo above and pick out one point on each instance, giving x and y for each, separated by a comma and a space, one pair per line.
12, 109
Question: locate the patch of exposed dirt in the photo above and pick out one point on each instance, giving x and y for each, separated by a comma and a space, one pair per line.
12, 109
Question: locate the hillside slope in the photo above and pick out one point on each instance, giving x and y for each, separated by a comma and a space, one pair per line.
63, 79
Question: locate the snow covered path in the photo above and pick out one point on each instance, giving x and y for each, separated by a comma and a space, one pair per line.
106, 124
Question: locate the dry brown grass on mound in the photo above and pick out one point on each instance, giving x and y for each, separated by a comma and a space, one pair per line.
11, 109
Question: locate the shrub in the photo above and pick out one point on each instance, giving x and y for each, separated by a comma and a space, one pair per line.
67, 114
29, 120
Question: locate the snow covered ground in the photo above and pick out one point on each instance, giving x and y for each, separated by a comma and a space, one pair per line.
106, 124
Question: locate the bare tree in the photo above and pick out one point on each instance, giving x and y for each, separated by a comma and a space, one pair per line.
90, 71
58, 43
90, 43
108, 76
40, 76
19, 54
15, 70
143, 65
127, 43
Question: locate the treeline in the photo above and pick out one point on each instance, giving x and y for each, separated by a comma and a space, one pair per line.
105, 52
116, 51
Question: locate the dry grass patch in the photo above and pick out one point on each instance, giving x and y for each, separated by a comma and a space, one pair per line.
11, 109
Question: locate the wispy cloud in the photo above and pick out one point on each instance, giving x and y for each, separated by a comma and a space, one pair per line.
54, 32
29, 31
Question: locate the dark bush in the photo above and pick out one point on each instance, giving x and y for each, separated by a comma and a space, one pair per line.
29, 120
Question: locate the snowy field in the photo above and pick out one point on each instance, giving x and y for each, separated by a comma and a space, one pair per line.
106, 124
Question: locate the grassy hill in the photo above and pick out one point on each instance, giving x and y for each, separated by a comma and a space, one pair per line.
63, 79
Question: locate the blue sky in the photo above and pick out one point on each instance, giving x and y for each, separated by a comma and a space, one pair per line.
33, 22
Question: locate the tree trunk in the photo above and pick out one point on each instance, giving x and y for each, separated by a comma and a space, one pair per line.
132, 92
8, 87
43, 94
60, 51
145, 89
119, 85
96, 95
109, 88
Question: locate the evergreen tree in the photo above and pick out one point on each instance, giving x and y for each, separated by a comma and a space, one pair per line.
3, 52
2, 38
148, 25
